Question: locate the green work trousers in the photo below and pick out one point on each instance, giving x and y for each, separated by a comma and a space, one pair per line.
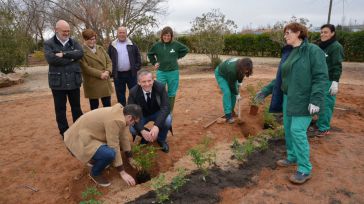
298, 148
325, 115
171, 79
228, 99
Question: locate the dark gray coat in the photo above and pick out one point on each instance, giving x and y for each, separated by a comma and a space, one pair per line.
64, 73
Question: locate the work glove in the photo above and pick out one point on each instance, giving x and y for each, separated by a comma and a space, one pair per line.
259, 97
238, 97
334, 88
313, 109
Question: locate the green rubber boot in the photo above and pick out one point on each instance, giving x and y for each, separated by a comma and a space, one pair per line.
171, 103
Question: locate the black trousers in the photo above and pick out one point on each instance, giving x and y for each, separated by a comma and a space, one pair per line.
94, 102
60, 106
121, 81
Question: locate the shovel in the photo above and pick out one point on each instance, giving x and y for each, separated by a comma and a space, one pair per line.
240, 121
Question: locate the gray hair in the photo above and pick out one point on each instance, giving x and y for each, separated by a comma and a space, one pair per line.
143, 72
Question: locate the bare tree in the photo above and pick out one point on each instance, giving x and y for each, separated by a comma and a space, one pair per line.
29, 17
34, 17
106, 16
37, 19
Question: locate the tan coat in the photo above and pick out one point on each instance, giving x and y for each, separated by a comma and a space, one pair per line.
92, 65
98, 127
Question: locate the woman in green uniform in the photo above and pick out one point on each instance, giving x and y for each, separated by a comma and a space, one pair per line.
228, 74
164, 55
334, 56
304, 74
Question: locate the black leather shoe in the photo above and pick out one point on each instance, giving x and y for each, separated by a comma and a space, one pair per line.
164, 146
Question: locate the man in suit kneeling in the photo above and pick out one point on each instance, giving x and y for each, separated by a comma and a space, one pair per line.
152, 97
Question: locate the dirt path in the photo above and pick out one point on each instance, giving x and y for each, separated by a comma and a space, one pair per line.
32, 155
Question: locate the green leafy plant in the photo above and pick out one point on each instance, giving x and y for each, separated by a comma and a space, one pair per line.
238, 150
269, 119
144, 156
262, 143
89, 196
279, 133
160, 187
162, 190
242, 150
202, 157
252, 91
248, 147
179, 180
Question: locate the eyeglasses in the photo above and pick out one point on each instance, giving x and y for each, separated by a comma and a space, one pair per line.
287, 32
92, 39
64, 31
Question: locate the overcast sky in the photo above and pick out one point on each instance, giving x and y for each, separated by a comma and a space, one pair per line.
258, 13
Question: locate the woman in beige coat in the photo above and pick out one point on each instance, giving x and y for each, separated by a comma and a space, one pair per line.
96, 69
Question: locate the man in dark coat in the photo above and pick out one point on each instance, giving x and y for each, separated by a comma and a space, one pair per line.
63, 54
126, 61
152, 97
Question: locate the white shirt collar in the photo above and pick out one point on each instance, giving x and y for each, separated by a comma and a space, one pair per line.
93, 50
145, 94
63, 43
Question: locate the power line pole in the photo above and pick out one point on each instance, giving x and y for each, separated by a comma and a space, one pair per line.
328, 18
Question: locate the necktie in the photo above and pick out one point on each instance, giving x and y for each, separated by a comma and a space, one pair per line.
149, 100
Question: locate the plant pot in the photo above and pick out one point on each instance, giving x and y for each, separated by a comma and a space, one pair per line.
253, 110
142, 177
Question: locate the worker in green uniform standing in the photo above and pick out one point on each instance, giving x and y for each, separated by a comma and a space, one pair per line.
334, 57
164, 55
304, 74
228, 74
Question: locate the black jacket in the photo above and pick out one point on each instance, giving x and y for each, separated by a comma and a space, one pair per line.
64, 72
276, 104
136, 96
134, 57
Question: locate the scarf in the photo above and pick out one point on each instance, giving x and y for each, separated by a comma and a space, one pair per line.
323, 45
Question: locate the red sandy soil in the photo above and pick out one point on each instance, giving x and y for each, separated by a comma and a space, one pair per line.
32, 154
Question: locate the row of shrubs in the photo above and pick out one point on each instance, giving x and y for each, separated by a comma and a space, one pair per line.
262, 45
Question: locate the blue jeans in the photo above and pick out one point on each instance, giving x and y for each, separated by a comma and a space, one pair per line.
120, 82
102, 157
163, 131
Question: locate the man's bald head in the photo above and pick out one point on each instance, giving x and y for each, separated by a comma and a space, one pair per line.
62, 30
122, 33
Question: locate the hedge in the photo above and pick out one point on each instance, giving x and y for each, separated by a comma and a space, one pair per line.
261, 45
